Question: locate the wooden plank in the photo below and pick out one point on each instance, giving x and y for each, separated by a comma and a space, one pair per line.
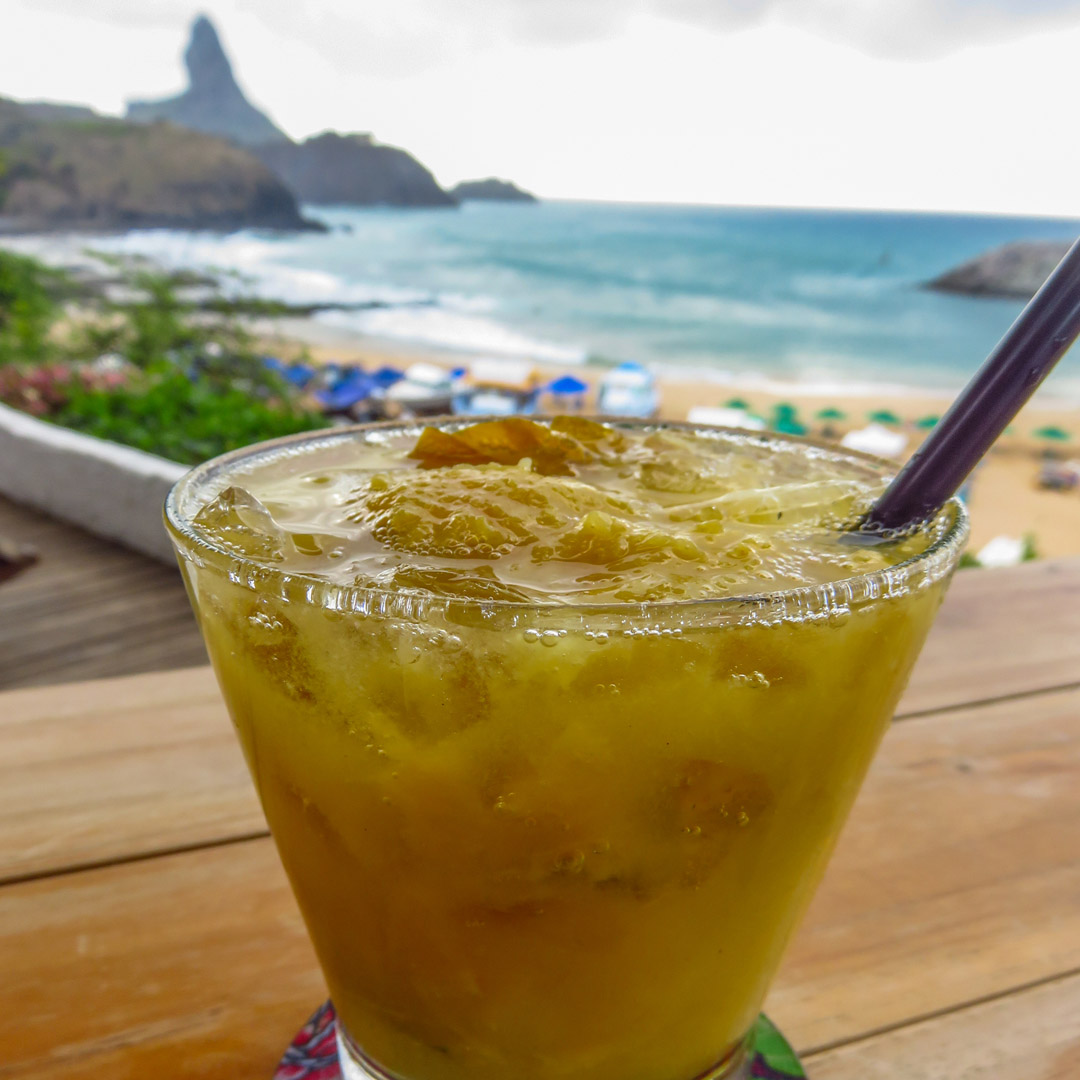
951, 668
958, 875
88, 608
957, 880
188, 966
1000, 633
118, 768
1030, 1035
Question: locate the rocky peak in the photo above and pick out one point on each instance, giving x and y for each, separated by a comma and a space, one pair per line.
213, 101
208, 68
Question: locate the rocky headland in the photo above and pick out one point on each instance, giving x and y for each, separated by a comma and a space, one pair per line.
105, 174
352, 170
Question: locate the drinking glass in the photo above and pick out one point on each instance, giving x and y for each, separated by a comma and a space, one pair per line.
550, 841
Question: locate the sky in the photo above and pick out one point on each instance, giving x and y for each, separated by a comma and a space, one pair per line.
900, 104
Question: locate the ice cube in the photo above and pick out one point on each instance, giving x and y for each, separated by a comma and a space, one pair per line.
819, 501
239, 523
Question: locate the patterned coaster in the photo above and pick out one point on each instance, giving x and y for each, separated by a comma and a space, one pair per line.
313, 1053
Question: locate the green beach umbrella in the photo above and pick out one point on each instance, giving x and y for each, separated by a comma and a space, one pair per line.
787, 426
784, 408
883, 416
736, 403
1053, 434
927, 422
831, 413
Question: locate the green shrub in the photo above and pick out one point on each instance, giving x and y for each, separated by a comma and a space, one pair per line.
164, 412
188, 388
27, 309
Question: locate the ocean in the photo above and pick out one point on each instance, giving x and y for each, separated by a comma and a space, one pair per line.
829, 300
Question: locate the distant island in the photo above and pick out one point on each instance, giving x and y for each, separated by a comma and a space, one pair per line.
65, 167
204, 159
1015, 270
491, 189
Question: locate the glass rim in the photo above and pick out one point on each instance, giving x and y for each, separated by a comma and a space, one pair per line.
805, 601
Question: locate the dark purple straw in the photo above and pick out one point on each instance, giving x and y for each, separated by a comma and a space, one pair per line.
1012, 372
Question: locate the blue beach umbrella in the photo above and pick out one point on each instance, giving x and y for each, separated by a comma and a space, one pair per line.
349, 391
299, 374
387, 376
568, 385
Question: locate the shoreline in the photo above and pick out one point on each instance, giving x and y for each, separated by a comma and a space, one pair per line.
289, 332
1005, 499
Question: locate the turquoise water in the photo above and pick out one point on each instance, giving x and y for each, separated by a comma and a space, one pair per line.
818, 297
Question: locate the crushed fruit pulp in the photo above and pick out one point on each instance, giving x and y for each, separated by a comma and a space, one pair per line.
572, 512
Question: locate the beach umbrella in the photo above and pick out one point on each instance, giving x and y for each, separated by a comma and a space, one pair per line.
831, 413
1053, 434
299, 375
883, 416
786, 426
387, 376
927, 422
737, 403
347, 392
785, 409
568, 385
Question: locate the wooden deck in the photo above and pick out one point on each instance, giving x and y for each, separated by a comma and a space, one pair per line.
88, 608
147, 928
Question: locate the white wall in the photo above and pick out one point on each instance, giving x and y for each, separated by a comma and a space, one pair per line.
108, 489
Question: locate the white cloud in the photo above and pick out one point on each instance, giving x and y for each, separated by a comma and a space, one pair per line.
407, 35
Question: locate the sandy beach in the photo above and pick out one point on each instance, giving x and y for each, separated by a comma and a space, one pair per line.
1005, 498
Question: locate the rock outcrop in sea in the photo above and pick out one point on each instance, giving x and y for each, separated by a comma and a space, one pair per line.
213, 102
1015, 270
353, 170
102, 174
491, 189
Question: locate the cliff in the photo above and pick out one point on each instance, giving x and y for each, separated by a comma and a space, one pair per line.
1015, 270
352, 170
213, 102
493, 189
106, 174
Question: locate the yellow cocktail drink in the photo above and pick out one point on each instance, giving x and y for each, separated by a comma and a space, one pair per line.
555, 726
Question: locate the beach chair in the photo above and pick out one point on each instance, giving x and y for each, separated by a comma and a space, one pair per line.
629, 390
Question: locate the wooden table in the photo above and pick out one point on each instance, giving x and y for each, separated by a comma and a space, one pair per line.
147, 931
